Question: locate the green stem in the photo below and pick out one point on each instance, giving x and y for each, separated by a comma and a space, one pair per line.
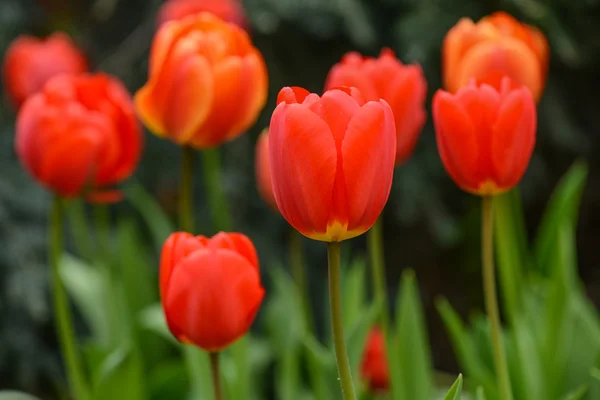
491, 298
64, 319
297, 264
333, 254
186, 213
214, 369
217, 201
80, 228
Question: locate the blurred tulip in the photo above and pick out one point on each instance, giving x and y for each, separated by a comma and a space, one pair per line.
79, 135
30, 62
263, 172
374, 365
207, 82
228, 10
332, 161
210, 288
485, 136
496, 46
403, 87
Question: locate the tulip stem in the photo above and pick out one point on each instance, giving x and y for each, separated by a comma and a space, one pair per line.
217, 200
214, 368
186, 213
297, 264
491, 298
335, 300
64, 319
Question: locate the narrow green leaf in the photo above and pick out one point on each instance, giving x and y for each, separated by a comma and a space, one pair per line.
577, 394
480, 394
120, 377
321, 368
411, 345
356, 335
354, 291
456, 389
153, 319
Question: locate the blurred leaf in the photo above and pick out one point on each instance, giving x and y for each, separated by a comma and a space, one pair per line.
480, 394
322, 368
564, 203
10, 395
455, 391
525, 363
356, 335
577, 394
354, 296
153, 319
412, 345
120, 377
168, 380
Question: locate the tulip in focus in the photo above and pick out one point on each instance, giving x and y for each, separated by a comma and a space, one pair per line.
30, 62
332, 161
374, 365
79, 136
263, 172
496, 46
228, 10
485, 136
403, 87
207, 82
210, 288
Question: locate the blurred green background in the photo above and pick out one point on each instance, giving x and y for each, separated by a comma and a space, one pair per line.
430, 225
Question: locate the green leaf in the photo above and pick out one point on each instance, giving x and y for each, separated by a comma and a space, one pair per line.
356, 335
11, 395
354, 294
563, 204
153, 319
480, 394
322, 368
120, 377
168, 380
412, 347
456, 389
577, 394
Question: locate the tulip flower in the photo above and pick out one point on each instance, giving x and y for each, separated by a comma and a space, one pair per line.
79, 136
403, 87
332, 161
228, 10
374, 365
496, 46
485, 136
30, 62
210, 288
263, 172
207, 82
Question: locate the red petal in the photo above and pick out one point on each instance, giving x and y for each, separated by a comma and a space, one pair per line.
291, 95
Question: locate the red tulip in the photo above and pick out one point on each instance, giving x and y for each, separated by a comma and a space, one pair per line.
374, 365
485, 136
79, 135
228, 10
30, 62
207, 82
210, 288
332, 161
263, 171
496, 46
403, 87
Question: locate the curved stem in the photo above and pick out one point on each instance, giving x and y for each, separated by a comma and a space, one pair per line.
64, 319
219, 208
491, 298
214, 368
333, 254
297, 264
186, 214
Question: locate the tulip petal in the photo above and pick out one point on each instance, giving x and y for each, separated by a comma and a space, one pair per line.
292, 95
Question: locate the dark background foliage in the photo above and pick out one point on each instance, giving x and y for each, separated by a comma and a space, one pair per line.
430, 225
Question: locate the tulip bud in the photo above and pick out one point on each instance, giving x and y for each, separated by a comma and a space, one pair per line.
227, 10
210, 288
485, 136
374, 365
332, 161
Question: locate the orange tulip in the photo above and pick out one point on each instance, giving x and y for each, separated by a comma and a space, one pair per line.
79, 135
374, 365
263, 171
207, 82
332, 161
228, 10
403, 87
485, 136
30, 62
496, 46
210, 288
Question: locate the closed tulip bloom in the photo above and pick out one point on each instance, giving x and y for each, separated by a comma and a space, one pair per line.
79, 136
207, 82
374, 368
332, 161
496, 46
30, 62
403, 87
210, 288
485, 136
263, 171
228, 10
